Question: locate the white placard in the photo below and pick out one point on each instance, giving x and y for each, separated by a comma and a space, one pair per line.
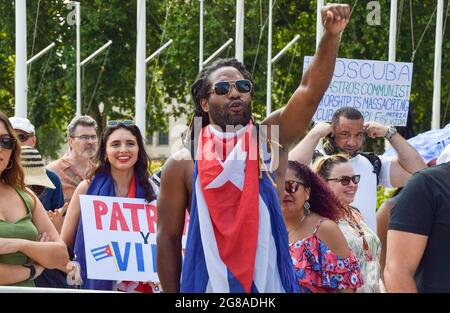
380, 90
120, 238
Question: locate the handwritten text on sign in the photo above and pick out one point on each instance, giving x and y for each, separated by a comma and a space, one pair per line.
379, 89
120, 238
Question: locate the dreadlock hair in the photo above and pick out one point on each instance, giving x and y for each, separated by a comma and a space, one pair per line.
323, 167
321, 198
200, 90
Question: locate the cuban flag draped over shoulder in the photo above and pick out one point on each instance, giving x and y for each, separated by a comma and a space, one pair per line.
237, 240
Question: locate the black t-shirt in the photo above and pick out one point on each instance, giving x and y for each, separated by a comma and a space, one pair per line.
423, 207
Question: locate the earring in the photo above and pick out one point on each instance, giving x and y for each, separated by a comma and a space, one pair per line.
10, 164
307, 206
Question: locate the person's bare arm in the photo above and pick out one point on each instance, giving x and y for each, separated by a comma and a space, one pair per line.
404, 252
11, 274
330, 233
304, 150
295, 117
171, 206
48, 254
70, 225
383, 214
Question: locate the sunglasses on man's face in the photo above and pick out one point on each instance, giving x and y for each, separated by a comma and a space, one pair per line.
7, 143
291, 186
223, 88
345, 180
114, 123
24, 137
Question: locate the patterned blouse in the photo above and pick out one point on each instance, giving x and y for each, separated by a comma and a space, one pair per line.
318, 269
368, 253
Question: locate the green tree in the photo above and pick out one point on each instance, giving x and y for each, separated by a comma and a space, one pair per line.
108, 81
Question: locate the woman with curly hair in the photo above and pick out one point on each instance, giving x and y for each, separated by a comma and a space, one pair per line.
337, 171
323, 262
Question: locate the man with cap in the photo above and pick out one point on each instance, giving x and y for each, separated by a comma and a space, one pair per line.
52, 198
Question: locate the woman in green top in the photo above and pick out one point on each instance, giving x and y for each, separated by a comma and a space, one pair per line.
23, 221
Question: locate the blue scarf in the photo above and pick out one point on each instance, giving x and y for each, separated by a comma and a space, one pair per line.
101, 185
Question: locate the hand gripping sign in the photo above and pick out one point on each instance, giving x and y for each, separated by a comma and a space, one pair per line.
120, 238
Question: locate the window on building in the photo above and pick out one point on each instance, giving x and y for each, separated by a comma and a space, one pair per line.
163, 138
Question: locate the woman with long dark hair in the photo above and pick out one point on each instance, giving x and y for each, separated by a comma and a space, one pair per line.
322, 259
120, 171
23, 221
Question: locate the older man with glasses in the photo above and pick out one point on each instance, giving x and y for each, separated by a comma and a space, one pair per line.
73, 167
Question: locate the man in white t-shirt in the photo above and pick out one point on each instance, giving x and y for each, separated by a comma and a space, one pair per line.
346, 133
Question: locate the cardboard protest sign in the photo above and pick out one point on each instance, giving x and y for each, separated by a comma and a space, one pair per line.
120, 238
379, 90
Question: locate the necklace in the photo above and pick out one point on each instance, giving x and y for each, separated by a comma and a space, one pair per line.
295, 227
356, 225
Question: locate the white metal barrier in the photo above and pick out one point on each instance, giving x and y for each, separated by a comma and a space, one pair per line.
11, 289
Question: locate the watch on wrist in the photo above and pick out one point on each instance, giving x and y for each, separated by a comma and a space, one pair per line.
390, 133
32, 270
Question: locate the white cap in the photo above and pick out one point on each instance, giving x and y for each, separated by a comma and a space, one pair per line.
22, 124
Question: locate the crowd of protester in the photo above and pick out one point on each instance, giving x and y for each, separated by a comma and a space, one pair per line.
308, 224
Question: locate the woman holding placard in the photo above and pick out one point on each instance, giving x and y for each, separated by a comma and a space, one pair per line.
120, 171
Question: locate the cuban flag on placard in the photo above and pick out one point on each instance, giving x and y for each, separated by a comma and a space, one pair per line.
102, 252
237, 241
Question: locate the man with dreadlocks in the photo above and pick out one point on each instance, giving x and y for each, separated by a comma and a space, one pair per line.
237, 240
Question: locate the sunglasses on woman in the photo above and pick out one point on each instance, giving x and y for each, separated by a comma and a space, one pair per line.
291, 186
7, 143
114, 123
345, 180
223, 88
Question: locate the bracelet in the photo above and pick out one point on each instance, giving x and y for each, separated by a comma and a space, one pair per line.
32, 270
390, 133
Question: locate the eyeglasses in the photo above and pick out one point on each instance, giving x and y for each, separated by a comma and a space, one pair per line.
7, 143
291, 186
24, 137
115, 123
224, 88
345, 180
86, 137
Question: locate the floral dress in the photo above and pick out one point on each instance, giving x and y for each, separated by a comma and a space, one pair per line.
318, 269
367, 247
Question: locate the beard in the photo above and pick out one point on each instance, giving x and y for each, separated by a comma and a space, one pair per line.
222, 116
89, 153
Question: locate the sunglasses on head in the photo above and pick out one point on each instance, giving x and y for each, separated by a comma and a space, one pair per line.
24, 137
114, 123
7, 143
223, 88
345, 180
291, 186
